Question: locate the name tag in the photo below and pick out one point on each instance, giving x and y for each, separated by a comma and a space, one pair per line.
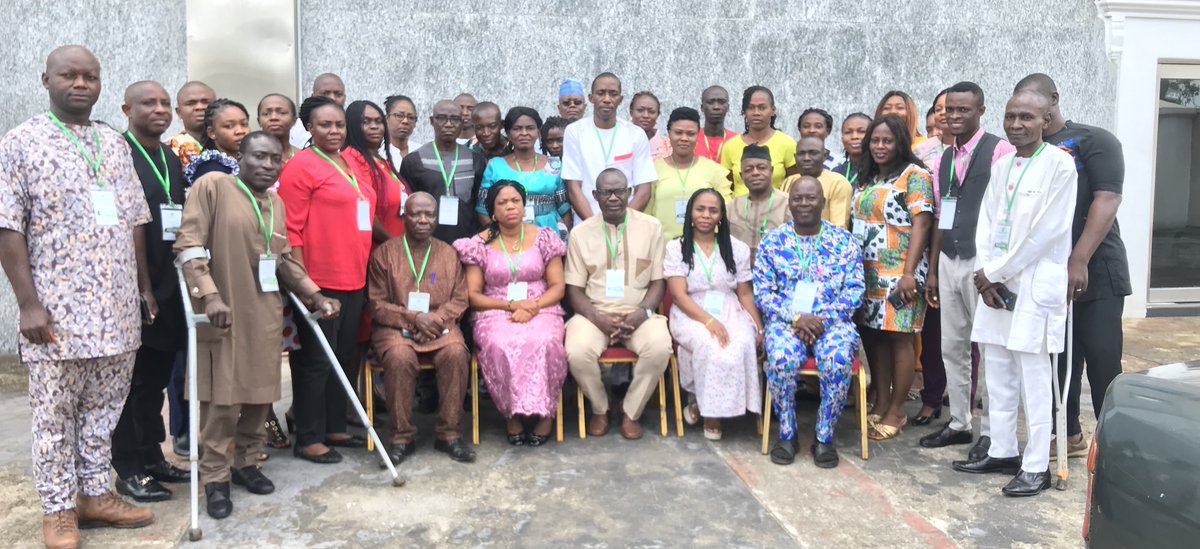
266, 274
418, 301
804, 297
172, 217
364, 215
403, 199
104, 204
518, 291
448, 210
860, 230
714, 303
1000, 238
946, 221
529, 213
614, 283
680, 210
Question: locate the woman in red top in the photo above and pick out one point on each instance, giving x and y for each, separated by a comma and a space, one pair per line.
330, 218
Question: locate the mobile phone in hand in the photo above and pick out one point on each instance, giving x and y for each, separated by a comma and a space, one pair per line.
1008, 297
146, 318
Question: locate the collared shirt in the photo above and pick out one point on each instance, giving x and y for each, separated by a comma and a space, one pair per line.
639, 252
85, 274
746, 217
837, 196
962, 160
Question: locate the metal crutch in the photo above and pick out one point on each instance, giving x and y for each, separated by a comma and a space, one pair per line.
194, 533
311, 319
1060, 398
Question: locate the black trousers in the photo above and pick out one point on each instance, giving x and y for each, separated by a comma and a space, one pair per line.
1098, 347
139, 433
317, 396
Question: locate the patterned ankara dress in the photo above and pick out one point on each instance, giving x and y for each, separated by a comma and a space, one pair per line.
836, 267
882, 216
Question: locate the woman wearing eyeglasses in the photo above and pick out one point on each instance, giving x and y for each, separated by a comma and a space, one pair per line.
401, 119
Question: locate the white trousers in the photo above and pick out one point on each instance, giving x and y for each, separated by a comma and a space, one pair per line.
1011, 378
956, 292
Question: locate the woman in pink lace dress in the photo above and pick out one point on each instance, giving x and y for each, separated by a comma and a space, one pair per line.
515, 281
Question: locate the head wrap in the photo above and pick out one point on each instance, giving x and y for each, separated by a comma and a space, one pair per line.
756, 151
570, 86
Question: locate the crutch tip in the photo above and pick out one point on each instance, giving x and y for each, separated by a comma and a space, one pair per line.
1060, 484
398, 481
194, 534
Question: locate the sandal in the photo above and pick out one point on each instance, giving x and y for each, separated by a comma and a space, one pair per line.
517, 439
784, 452
882, 431
263, 456
275, 437
712, 432
535, 440
872, 419
691, 413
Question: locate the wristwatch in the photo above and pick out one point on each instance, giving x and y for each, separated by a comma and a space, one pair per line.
649, 312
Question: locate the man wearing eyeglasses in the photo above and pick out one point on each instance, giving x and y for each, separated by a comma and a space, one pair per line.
450, 172
570, 100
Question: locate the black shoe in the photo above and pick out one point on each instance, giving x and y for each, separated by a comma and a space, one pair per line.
980, 450
253, 479
181, 446
165, 472
398, 452
218, 503
784, 452
142, 488
354, 441
458, 450
332, 456
824, 454
989, 464
946, 437
925, 420
534, 440
1027, 484
517, 439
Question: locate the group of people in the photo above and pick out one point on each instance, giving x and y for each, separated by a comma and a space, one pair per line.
536, 245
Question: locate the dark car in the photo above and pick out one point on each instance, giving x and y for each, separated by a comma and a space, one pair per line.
1144, 465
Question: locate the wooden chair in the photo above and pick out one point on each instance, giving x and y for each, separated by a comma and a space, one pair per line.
617, 355
858, 376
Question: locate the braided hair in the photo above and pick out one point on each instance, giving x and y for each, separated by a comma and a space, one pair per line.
724, 241
749, 93
210, 113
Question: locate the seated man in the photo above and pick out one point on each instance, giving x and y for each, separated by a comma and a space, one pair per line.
614, 277
808, 282
237, 377
417, 294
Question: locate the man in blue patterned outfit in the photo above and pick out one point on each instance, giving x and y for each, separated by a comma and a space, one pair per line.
808, 282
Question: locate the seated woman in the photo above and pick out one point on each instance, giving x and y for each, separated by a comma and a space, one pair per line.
226, 122
515, 280
713, 320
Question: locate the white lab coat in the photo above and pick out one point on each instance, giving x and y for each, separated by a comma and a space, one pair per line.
1035, 265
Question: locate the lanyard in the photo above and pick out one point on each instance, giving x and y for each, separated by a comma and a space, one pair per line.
686, 173
611, 139
806, 259
412, 266
708, 147
512, 265
953, 162
863, 197
348, 177
706, 265
383, 166
93, 163
612, 250
162, 177
521, 171
847, 174
1013, 195
447, 179
762, 229
258, 213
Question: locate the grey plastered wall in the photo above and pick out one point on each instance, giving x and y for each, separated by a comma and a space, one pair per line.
841, 55
134, 40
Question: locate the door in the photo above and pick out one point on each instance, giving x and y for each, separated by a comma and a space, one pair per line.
1175, 245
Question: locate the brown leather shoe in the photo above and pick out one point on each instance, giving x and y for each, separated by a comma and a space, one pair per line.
110, 510
630, 429
61, 530
597, 425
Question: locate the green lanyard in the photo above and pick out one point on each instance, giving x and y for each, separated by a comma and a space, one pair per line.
383, 166
512, 265
954, 161
612, 250
1013, 195
806, 259
709, 147
762, 229
348, 177
521, 171
267, 232
93, 163
162, 177
686, 173
863, 197
447, 179
847, 174
412, 266
611, 139
706, 265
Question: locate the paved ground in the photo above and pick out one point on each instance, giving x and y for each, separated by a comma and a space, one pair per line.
608, 492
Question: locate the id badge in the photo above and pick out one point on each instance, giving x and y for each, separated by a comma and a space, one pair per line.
448, 210
418, 301
680, 210
104, 204
364, 215
860, 231
614, 283
946, 221
518, 291
172, 217
714, 303
804, 297
529, 214
403, 199
266, 274
1001, 236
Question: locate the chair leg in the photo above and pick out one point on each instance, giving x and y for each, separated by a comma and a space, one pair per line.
678, 401
558, 433
368, 383
582, 428
766, 417
474, 400
758, 423
662, 403
862, 412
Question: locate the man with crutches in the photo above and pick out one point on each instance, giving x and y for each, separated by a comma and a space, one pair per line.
235, 257
1023, 242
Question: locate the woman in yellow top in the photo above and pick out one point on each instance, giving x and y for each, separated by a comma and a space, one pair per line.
683, 173
758, 109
